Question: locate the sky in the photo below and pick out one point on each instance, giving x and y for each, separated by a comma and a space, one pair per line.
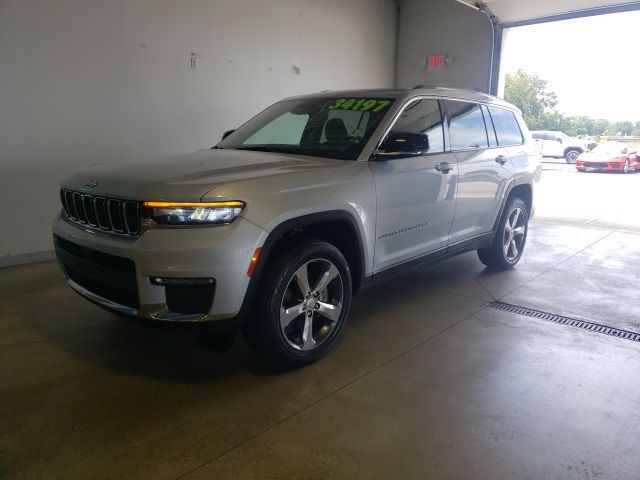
593, 63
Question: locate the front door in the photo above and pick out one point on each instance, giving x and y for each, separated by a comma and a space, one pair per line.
415, 193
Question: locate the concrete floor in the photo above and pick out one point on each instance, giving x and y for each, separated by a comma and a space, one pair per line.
427, 382
597, 199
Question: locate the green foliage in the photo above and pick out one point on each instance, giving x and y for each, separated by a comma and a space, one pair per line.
532, 95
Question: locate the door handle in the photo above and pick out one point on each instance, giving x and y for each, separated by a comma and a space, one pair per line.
501, 159
444, 167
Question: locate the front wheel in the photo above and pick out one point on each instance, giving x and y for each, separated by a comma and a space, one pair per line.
303, 305
510, 238
571, 156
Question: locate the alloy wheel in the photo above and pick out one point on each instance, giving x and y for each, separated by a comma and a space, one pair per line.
572, 156
312, 304
515, 229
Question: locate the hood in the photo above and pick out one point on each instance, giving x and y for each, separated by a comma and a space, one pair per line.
186, 177
599, 157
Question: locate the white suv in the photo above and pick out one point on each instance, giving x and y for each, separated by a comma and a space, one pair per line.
274, 229
559, 145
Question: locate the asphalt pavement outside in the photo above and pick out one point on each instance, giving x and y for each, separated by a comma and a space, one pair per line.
595, 198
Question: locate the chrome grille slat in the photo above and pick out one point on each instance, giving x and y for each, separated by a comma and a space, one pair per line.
131, 217
72, 209
116, 215
124, 217
77, 203
111, 215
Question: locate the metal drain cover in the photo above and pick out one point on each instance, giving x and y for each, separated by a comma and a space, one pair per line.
572, 322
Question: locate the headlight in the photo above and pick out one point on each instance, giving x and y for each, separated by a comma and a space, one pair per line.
194, 213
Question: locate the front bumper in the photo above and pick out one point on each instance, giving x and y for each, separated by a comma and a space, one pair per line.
91, 260
600, 167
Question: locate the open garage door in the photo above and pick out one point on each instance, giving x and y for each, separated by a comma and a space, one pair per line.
512, 13
574, 60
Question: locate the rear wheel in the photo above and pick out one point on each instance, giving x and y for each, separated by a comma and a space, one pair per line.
571, 156
510, 238
303, 305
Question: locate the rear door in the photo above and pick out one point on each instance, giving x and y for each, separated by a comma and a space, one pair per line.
509, 136
415, 194
484, 170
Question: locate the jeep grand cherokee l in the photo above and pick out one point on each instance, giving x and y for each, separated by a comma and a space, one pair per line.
275, 228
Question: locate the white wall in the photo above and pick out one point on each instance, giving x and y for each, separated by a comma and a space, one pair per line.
86, 81
429, 27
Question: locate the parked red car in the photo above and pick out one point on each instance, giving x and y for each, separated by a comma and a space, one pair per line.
609, 157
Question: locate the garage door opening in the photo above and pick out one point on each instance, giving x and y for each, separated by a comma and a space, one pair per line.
576, 82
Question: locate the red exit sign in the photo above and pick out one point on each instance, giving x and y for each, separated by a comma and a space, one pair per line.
436, 61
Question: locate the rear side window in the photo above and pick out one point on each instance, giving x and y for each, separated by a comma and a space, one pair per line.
537, 135
467, 129
506, 126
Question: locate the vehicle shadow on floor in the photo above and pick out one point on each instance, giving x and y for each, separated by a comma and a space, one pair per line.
57, 316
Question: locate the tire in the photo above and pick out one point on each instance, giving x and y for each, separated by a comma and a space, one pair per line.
499, 255
293, 328
570, 156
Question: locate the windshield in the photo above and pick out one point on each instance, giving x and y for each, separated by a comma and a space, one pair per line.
324, 127
610, 148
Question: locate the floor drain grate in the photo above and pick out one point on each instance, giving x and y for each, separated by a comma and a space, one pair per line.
572, 322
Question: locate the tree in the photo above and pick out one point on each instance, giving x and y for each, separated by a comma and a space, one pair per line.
531, 94
620, 128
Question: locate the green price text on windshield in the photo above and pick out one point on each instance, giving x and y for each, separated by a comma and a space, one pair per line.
359, 104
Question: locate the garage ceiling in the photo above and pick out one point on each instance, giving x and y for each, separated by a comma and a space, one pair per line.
530, 11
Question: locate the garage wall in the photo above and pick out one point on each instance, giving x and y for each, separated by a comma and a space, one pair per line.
87, 81
428, 27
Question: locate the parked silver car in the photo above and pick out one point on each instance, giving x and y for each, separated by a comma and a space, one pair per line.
319, 196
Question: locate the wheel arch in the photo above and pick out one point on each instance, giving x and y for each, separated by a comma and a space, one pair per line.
337, 227
521, 190
568, 149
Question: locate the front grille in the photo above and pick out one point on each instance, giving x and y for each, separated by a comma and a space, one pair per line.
109, 276
107, 214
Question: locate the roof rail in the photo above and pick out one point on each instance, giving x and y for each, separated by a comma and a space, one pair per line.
440, 87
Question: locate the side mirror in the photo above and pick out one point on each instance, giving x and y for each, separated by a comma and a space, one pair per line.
227, 133
403, 144
559, 140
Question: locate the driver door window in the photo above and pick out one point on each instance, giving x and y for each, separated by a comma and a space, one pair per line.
423, 117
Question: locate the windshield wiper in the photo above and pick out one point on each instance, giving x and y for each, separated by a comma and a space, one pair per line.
216, 147
263, 148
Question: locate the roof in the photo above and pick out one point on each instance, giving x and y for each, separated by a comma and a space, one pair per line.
454, 93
